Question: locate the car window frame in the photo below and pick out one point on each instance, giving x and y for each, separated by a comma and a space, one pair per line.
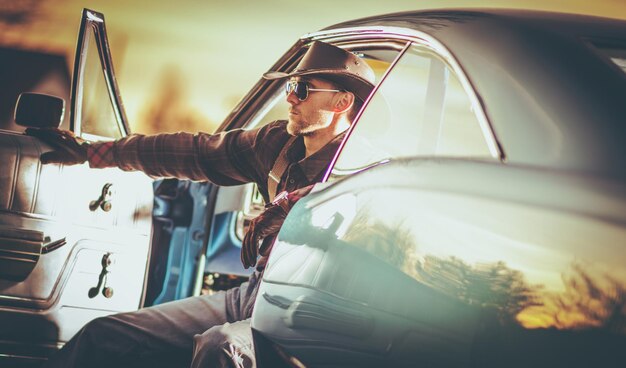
93, 21
273, 93
421, 39
252, 110
263, 94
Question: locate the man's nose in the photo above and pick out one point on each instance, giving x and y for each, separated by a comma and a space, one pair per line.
292, 99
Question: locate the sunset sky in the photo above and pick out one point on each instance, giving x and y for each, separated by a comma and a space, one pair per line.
211, 52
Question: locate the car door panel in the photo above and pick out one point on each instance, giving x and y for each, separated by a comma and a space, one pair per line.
463, 259
41, 199
74, 241
37, 198
20, 156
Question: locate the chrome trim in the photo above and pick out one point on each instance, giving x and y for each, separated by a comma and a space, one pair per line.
52, 345
15, 171
96, 138
20, 259
16, 253
13, 356
355, 171
358, 116
95, 21
53, 245
421, 38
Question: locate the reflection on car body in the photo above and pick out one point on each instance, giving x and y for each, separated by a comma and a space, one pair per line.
492, 233
475, 215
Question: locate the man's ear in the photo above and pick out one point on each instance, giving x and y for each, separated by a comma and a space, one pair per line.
343, 102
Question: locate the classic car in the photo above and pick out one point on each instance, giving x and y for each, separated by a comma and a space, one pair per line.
475, 214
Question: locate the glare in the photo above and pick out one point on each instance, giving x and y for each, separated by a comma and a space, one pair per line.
341, 210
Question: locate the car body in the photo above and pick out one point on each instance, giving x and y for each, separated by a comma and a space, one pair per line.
475, 215
480, 230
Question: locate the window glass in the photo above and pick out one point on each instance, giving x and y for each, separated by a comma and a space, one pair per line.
97, 115
378, 57
420, 109
275, 108
460, 133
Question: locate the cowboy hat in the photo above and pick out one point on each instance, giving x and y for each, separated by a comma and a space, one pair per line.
332, 63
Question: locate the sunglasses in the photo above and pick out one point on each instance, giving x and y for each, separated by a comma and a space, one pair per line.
301, 89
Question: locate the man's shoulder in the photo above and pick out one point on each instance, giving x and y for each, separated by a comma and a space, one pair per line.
275, 127
273, 133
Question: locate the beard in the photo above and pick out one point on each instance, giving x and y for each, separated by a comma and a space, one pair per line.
297, 128
298, 125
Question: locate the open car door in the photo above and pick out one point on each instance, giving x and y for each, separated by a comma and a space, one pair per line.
74, 241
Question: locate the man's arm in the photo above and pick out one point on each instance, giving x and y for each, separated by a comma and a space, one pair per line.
227, 158
200, 156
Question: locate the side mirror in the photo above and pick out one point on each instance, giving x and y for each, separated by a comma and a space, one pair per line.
36, 110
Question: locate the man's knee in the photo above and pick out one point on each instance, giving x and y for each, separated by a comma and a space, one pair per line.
93, 329
209, 341
102, 337
85, 348
101, 327
228, 345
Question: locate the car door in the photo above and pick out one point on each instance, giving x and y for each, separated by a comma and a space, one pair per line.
325, 299
426, 249
74, 241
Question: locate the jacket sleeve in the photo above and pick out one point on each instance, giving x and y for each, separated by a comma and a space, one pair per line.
228, 158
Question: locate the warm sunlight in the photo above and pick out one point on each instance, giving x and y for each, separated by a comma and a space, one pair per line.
185, 65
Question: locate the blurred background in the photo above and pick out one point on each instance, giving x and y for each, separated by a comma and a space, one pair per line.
183, 65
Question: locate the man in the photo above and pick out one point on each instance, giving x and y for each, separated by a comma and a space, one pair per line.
324, 92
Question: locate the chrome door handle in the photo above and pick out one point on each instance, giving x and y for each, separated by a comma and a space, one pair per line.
107, 261
104, 201
53, 245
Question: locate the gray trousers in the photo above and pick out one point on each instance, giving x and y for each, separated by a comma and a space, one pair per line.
202, 331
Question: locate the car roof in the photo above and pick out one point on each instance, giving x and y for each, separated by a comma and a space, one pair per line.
552, 97
447, 18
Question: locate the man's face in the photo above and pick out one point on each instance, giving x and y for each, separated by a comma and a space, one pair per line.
315, 112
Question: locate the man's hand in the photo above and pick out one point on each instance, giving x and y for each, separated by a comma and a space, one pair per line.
68, 149
266, 227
